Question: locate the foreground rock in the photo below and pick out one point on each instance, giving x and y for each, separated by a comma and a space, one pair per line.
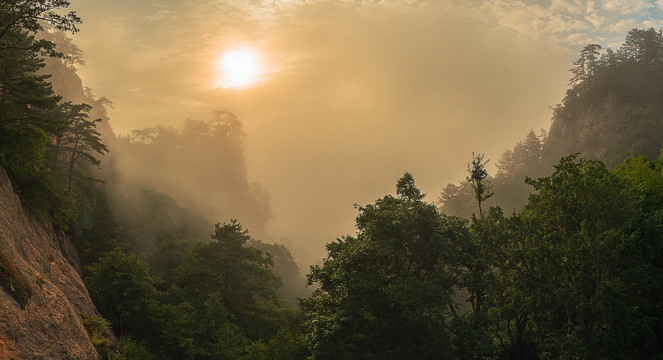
49, 325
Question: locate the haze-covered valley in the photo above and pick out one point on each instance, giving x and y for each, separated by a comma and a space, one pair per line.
350, 95
451, 179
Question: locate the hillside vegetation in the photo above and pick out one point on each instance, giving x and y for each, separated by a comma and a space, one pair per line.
612, 109
574, 270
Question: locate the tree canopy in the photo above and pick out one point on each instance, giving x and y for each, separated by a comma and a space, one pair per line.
33, 118
576, 272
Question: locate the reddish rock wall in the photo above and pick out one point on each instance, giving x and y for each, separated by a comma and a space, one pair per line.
50, 325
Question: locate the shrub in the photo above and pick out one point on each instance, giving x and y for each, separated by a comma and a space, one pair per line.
13, 282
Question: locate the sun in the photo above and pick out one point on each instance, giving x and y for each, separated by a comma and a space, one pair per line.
238, 69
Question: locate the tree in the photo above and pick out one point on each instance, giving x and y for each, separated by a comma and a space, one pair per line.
22, 89
203, 331
478, 178
526, 158
28, 109
640, 132
643, 46
80, 139
124, 290
406, 189
576, 268
385, 293
241, 274
219, 191
96, 232
28, 15
585, 65
286, 269
169, 254
31, 115
72, 55
457, 200
504, 266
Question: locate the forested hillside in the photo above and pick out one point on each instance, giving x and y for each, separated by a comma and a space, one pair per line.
573, 270
55, 139
575, 274
611, 110
201, 166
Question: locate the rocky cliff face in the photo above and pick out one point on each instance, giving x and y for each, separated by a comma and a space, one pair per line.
50, 324
590, 130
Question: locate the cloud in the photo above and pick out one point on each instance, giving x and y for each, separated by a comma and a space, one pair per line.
579, 39
596, 20
626, 6
561, 24
567, 6
623, 26
526, 19
656, 24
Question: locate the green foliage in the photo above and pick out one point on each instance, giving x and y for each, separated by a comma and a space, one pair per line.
576, 219
629, 78
221, 305
147, 217
382, 294
641, 131
631, 73
96, 231
22, 154
285, 268
124, 291
98, 328
208, 330
507, 188
31, 14
526, 158
288, 344
577, 273
46, 196
78, 140
575, 267
458, 199
31, 115
131, 349
242, 276
585, 66
204, 331
285, 345
406, 189
13, 282
611, 110
170, 253
478, 178
50, 149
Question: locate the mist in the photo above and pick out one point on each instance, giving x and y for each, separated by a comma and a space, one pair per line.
353, 94
201, 167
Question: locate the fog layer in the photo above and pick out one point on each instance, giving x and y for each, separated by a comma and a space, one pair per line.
353, 95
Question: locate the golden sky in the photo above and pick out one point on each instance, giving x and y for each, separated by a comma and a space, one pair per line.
352, 93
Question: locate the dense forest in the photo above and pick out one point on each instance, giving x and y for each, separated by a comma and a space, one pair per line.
559, 255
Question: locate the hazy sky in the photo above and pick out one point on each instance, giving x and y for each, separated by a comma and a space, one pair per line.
353, 93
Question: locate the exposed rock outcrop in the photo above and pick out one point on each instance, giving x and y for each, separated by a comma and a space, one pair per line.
591, 130
50, 325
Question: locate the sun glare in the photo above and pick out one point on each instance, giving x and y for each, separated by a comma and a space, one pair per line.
238, 69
